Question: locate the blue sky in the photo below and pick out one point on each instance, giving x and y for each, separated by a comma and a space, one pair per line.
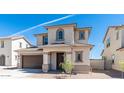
10, 24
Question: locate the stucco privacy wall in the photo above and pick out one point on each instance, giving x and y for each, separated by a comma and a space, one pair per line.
97, 64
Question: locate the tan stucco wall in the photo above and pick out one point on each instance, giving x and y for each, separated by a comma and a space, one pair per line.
53, 60
57, 49
97, 64
76, 36
114, 45
39, 40
86, 53
119, 56
69, 53
15, 46
68, 34
71, 35
7, 51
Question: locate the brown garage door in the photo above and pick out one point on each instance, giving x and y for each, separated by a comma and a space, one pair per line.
32, 61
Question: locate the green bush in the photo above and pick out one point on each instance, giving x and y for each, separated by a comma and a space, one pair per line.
67, 66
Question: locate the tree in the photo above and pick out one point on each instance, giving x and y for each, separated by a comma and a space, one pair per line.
67, 66
121, 63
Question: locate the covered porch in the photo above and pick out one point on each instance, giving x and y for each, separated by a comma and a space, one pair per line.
53, 57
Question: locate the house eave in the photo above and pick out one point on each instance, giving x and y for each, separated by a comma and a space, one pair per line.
120, 49
67, 45
61, 25
41, 34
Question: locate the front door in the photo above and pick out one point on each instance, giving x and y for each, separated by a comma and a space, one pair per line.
60, 59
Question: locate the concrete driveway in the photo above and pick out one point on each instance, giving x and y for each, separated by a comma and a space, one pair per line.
6, 72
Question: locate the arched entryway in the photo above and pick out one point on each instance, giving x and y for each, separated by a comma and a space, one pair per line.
2, 60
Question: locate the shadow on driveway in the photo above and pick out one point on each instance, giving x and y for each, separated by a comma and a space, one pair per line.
111, 73
34, 71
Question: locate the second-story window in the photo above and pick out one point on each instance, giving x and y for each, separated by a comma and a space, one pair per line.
27, 46
60, 35
81, 35
20, 45
108, 42
2, 44
45, 40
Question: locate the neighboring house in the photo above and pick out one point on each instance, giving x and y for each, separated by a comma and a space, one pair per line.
61, 42
113, 47
8, 45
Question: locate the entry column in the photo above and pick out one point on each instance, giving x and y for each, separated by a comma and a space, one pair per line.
19, 61
45, 66
69, 56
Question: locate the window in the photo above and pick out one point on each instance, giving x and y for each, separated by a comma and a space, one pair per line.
20, 45
108, 42
2, 44
113, 59
16, 57
60, 35
2, 60
26, 45
81, 35
78, 56
45, 40
117, 35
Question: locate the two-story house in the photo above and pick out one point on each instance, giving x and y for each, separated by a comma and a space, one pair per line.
113, 51
60, 42
8, 45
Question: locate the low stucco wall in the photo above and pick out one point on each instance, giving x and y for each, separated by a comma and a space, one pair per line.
84, 69
97, 64
116, 67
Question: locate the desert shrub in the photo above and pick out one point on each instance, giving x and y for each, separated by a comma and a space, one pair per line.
67, 66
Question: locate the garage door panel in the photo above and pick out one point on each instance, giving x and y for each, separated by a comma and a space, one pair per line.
32, 61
